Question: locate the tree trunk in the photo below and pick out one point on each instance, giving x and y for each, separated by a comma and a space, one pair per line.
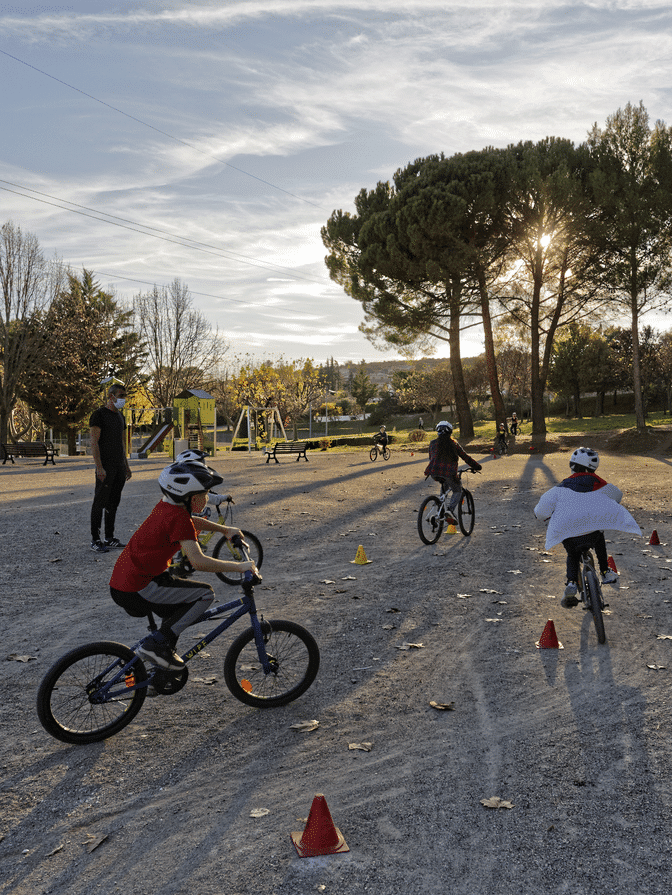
636, 368
72, 442
465, 422
536, 384
490, 361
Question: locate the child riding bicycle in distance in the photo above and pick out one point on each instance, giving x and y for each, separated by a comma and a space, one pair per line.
141, 581
578, 509
444, 455
381, 438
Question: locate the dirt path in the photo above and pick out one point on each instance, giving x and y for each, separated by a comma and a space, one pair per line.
578, 740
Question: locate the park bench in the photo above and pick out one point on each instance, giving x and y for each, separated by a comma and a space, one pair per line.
287, 447
30, 449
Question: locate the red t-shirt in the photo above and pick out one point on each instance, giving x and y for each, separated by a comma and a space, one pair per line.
151, 548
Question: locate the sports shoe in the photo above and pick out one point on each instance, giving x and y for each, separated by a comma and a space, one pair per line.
99, 547
609, 577
113, 544
160, 653
569, 599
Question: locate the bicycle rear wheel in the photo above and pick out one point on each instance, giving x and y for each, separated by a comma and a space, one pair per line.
430, 521
294, 657
593, 588
70, 704
373, 453
466, 513
231, 553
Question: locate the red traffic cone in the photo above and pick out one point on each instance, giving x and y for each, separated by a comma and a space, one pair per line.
653, 540
549, 639
320, 836
612, 564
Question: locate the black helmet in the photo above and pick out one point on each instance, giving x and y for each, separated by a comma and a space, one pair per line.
180, 481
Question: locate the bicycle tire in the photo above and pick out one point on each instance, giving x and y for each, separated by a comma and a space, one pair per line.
595, 606
64, 698
256, 555
373, 453
293, 653
386, 453
430, 523
466, 512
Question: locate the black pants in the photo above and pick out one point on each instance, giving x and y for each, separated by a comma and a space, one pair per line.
575, 547
178, 602
106, 497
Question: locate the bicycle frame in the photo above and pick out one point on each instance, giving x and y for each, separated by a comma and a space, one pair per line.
246, 606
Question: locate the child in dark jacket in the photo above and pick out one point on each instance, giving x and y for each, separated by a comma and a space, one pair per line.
444, 455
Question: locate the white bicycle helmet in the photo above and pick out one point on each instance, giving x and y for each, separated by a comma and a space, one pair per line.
191, 457
180, 481
444, 428
584, 457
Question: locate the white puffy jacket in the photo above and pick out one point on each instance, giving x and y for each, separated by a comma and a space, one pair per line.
572, 510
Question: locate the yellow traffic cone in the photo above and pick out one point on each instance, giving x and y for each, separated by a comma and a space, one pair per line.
360, 559
451, 530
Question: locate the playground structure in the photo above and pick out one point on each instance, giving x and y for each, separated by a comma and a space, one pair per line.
189, 420
262, 420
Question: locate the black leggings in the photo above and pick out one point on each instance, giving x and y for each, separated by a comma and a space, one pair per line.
575, 547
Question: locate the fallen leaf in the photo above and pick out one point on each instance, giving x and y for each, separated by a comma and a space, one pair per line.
16, 658
57, 559
305, 726
656, 667
204, 680
493, 619
406, 645
487, 590
664, 636
349, 578
443, 706
364, 747
389, 627
327, 581
93, 841
259, 812
463, 596
499, 603
514, 572
55, 851
496, 802
393, 609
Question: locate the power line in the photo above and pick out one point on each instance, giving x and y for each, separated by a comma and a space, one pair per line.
158, 131
185, 241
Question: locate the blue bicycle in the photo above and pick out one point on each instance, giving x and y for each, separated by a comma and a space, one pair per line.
94, 691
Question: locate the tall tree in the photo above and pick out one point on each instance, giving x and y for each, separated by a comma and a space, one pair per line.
632, 221
28, 284
420, 255
85, 339
180, 343
553, 269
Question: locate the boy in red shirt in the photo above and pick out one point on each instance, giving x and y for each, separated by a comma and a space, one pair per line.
141, 581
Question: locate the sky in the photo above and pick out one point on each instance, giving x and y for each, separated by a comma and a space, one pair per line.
211, 141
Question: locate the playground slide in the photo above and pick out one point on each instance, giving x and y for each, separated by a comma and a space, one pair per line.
155, 439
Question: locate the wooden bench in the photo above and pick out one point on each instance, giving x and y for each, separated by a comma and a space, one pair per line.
287, 447
30, 449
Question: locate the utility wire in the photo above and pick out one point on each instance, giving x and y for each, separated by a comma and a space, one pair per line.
184, 241
158, 131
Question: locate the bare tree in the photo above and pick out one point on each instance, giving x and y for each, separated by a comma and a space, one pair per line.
28, 284
180, 344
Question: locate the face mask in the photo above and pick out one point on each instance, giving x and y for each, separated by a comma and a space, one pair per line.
119, 403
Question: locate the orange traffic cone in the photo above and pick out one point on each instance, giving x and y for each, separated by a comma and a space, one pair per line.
653, 540
549, 639
612, 564
320, 836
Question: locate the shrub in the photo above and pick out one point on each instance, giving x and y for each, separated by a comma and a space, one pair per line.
325, 444
417, 435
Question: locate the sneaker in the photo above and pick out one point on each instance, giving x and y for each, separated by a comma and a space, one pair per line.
99, 547
569, 599
160, 653
113, 544
609, 577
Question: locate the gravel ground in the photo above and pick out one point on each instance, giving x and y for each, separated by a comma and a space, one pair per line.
576, 740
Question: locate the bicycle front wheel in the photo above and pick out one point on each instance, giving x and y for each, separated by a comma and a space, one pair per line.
373, 453
70, 704
593, 588
386, 453
466, 514
231, 553
294, 658
430, 522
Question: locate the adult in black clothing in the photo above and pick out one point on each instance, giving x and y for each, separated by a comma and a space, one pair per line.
107, 427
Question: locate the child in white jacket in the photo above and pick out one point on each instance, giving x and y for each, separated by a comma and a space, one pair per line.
578, 509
